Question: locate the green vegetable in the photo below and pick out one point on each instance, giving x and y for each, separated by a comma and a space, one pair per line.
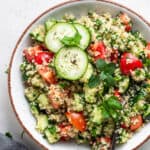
87, 74
43, 101
42, 123
51, 134
49, 24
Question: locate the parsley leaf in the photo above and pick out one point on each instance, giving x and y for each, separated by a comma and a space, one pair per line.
106, 74
94, 81
100, 64
71, 41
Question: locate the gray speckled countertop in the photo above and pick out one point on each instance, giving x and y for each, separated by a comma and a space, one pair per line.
15, 15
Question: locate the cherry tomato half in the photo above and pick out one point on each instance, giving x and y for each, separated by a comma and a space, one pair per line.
77, 120
136, 122
129, 62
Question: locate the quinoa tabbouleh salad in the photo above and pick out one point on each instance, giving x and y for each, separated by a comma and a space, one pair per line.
88, 78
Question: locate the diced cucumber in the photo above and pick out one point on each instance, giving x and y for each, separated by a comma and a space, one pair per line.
87, 74
124, 84
34, 110
49, 24
43, 101
42, 122
71, 63
31, 93
51, 134
85, 35
56, 34
97, 115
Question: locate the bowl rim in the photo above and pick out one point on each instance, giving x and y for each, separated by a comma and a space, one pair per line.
20, 39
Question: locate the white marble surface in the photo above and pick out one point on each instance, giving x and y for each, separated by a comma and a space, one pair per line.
15, 15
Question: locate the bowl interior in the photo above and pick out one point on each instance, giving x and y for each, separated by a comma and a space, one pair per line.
19, 102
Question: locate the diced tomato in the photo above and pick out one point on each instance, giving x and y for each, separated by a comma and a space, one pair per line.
123, 125
129, 62
43, 57
114, 56
128, 27
77, 120
64, 131
117, 94
37, 55
136, 122
99, 50
31, 52
147, 50
124, 18
47, 74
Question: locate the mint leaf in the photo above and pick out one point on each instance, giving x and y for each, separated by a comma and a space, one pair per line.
110, 81
94, 81
71, 41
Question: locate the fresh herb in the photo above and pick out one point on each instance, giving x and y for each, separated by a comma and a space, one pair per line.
114, 103
106, 71
71, 41
110, 107
9, 135
52, 129
94, 81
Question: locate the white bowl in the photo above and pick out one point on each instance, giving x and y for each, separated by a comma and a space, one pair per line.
16, 88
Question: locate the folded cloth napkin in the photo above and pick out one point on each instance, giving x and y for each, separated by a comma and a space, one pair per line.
10, 144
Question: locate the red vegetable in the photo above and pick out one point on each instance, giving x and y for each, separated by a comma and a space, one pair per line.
124, 18
64, 131
47, 74
99, 50
43, 57
129, 62
37, 55
77, 120
128, 27
136, 122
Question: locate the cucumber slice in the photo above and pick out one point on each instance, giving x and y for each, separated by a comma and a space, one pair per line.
87, 74
49, 24
85, 35
56, 33
71, 63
